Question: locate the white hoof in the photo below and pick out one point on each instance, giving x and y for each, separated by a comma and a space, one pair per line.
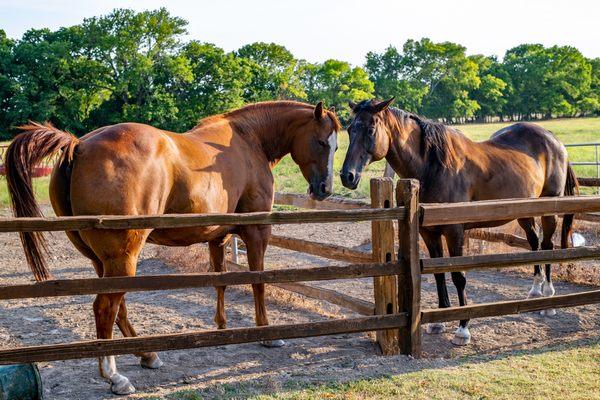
435, 328
534, 293
536, 288
551, 312
273, 343
462, 336
153, 362
548, 289
121, 385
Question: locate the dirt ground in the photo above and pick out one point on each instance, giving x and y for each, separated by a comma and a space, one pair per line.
261, 370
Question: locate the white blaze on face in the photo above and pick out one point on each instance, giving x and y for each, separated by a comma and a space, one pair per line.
332, 147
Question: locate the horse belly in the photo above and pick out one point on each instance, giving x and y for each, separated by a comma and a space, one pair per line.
188, 236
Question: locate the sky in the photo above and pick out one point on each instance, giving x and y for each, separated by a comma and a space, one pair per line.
346, 30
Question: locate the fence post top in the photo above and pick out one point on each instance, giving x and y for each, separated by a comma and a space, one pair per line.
381, 179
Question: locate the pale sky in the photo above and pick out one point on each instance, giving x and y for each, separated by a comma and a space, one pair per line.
346, 30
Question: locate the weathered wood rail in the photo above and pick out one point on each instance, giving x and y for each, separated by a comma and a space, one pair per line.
396, 312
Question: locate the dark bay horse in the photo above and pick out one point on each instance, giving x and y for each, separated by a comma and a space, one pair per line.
223, 165
521, 160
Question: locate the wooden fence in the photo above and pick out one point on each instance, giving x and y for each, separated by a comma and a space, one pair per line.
396, 314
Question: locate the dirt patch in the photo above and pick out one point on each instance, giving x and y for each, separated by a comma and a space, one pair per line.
302, 361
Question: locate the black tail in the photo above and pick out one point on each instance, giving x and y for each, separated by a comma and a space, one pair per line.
571, 189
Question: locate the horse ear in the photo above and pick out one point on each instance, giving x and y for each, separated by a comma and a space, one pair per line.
352, 105
332, 109
319, 111
379, 107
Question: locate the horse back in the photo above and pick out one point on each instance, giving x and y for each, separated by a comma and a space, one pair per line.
122, 169
521, 142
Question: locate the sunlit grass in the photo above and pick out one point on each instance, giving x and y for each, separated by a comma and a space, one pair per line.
550, 373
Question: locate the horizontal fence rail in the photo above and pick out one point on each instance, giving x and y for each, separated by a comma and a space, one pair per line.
357, 305
188, 340
330, 251
589, 181
504, 210
190, 220
331, 203
465, 263
509, 307
70, 287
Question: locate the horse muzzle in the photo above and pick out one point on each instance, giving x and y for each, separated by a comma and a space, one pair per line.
350, 179
320, 190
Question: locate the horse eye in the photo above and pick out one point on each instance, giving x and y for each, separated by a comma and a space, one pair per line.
323, 143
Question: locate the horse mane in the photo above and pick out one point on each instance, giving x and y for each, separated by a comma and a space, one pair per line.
437, 148
257, 114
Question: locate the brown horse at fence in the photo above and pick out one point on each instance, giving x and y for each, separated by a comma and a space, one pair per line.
223, 165
521, 160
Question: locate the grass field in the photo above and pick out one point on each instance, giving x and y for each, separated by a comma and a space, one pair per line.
552, 373
289, 179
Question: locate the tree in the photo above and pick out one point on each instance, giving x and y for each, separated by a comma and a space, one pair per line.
447, 74
134, 49
274, 72
6, 84
335, 83
490, 95
387, 72
217, 85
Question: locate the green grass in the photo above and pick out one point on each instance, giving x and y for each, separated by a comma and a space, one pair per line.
289, 179
552, 373
40, 187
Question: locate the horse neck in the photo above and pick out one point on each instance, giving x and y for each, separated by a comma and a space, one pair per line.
272, 128
404, 154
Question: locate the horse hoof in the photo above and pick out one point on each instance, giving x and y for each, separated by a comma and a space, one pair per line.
551, 312
273, 343
152, 362
534, 293
462, 337
120, 385
435, 328
548, 290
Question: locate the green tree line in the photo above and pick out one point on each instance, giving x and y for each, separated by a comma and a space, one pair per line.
134, 66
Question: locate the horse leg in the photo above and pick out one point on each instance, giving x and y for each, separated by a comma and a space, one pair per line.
118, 251
549, 227
106, 307
528, 226
455, 238
217, 262
256, 238
433, 241
147, 359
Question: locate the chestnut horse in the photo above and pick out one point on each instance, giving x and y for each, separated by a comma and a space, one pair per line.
223, 165
521, 160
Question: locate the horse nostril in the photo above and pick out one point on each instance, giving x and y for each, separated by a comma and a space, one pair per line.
350, 177
323, 187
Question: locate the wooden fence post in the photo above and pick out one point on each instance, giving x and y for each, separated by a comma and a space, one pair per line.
409, 281
385, 288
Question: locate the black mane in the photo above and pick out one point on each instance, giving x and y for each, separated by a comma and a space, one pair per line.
435, 142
